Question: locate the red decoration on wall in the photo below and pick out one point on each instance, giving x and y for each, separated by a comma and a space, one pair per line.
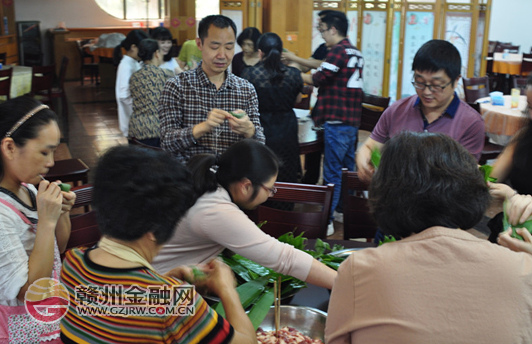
7, 3
191, 21
175, 22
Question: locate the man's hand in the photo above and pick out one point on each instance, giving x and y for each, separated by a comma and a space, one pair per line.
241, 126
365, 168
215, 118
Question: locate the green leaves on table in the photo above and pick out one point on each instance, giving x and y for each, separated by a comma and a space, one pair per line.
259, 311
486, 172
387, 238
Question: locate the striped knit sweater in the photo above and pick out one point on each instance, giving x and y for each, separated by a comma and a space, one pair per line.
133, 299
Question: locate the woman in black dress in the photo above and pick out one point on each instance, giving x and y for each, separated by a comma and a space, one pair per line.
279, 89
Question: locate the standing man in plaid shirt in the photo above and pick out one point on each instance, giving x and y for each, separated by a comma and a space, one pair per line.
339, 104
195, 106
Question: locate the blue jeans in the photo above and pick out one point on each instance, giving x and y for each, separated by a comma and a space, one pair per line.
339, 140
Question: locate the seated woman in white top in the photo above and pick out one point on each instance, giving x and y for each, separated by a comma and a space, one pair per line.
34, 222
245, 177
164, 37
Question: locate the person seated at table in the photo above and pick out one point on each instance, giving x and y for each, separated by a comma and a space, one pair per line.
435, 108
129, 64
242, 177
139, 196
145, 87
34, 222
519, 211
439, 284
249, 56
278, 88
164, 37
514, 165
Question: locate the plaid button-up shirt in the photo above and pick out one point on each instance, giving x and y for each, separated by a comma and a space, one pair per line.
340, 83
186, 101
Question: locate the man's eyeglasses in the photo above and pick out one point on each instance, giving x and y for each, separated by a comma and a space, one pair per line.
432, 88
272, 190
322, 30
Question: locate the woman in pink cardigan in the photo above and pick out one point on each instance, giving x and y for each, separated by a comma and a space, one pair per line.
439, 284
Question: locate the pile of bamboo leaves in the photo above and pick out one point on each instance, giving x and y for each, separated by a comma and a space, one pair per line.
255, 281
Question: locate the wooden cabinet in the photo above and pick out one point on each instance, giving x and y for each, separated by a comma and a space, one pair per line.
8, 38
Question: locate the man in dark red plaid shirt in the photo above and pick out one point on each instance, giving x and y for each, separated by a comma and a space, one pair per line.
339, 104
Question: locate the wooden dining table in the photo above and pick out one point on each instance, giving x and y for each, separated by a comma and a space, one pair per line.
507, 63
20, 80
310, 137
501, 121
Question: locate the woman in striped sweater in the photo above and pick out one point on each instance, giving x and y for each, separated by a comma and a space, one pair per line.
115, 295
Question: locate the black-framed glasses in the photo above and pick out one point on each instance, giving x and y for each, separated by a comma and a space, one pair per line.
272, 190
433, 88
322, 30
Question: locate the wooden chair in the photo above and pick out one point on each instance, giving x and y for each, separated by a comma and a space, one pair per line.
134, 141
526, 65
368, 121
69, 170
42, 83
310, 215
358, 222
3, 58
476, 88
490, 150
87, 63
5, 82
83, 196
305, 100
84, 231
375, 101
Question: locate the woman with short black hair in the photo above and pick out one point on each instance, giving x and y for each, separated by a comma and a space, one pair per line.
439, 284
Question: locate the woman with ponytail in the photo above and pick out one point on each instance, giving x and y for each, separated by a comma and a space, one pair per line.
128, 65
241, 178
279, 89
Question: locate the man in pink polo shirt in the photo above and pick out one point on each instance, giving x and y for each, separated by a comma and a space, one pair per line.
435, 108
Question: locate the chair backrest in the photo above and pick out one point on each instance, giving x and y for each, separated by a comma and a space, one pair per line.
140, 144
5, 82
369, 118
83, 195
526, 65
3, 58
42, 78
476, 88
376, 101
84, 230
500, 46
491, 46
310, 215
82, 52
475, 106
305, 100
358, 222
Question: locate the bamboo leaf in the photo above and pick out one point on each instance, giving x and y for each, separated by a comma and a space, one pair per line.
259, 311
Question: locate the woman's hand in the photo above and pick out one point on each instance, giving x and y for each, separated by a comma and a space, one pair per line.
219, 277
49, 202
500, 191
519, 209
516, 245
69, 198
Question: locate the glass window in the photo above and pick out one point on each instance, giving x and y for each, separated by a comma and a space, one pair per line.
133, 9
